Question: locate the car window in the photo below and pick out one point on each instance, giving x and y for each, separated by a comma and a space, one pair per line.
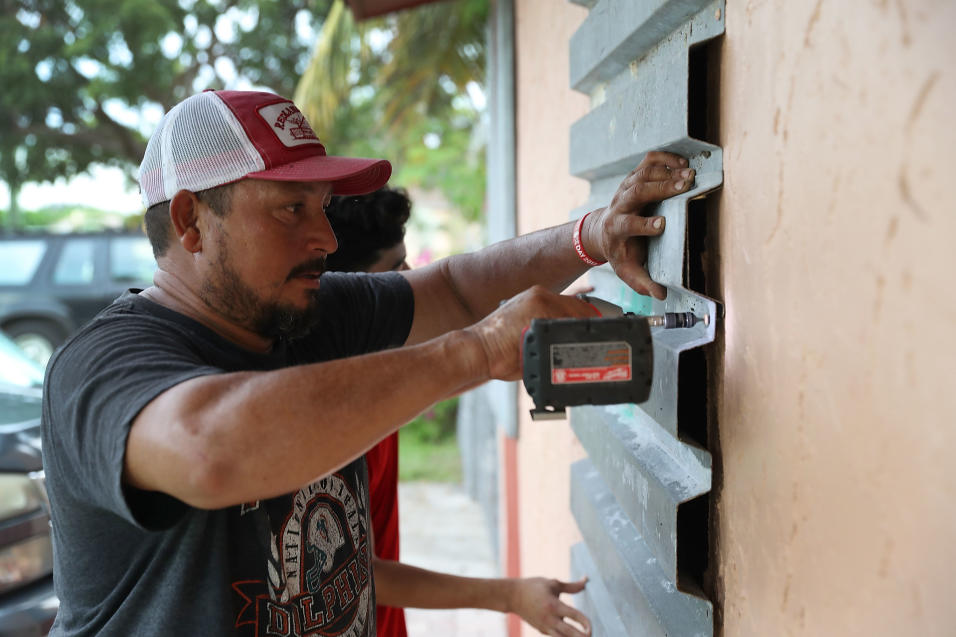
131, 259
16, 367
19, 261
75, 265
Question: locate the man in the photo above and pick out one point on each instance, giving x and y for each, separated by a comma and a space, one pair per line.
193, 489
370, 230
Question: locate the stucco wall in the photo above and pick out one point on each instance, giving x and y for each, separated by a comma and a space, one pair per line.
546, 193
836, 383
836, 401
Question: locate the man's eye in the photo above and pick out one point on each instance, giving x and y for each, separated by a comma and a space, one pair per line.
294, 208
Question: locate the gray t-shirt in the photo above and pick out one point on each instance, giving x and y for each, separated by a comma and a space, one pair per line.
129, 562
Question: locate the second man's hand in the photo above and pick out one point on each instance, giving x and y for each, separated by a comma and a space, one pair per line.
537, 601
619, 232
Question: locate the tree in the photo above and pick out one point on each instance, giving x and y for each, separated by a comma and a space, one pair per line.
85, 80
399, 87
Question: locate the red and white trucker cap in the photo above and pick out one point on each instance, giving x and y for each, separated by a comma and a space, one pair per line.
217, 137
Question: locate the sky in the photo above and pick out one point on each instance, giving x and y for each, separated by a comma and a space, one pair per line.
104, 187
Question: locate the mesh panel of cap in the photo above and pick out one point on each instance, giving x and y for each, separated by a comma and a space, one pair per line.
199, 144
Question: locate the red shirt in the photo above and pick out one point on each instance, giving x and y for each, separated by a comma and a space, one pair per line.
383, 494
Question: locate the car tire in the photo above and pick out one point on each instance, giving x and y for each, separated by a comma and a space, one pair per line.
36, 337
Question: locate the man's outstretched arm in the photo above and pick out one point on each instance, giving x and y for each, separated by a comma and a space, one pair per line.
460, 290
210, 441
535, 599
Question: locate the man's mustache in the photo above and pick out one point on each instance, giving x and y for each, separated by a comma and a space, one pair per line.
313, 266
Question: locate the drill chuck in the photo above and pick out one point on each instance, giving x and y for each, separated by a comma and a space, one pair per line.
672, 320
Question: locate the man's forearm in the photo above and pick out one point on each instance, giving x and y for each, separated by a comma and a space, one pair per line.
545, 257
468, 287
406, 586
462, 289
536, 600
223, 439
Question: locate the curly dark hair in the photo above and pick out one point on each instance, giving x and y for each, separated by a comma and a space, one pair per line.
365, 226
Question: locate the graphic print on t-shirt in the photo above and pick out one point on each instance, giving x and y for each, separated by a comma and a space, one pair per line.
319, 572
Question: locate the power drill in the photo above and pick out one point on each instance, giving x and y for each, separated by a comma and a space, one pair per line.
603, 360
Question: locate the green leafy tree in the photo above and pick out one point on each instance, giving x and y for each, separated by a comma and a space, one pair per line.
85, 80
398, 87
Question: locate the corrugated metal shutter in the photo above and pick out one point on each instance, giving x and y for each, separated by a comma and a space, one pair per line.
640, 497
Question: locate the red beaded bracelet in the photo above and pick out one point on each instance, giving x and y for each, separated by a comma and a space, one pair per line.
579, 247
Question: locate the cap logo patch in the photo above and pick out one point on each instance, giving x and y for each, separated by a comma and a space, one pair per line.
289, 124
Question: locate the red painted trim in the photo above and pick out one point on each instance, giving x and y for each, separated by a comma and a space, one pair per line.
512, 543
363, 9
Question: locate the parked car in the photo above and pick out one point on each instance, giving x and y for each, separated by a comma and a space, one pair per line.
28, 604
51, 284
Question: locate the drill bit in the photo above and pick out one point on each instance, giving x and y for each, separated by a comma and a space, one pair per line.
668, 320
672, 320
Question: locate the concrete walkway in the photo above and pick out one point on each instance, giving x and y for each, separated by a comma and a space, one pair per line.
444, 530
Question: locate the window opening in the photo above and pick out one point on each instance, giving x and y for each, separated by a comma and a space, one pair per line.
19, 261
75, 265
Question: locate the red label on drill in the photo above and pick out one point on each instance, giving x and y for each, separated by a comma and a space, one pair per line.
591, 374
603, 362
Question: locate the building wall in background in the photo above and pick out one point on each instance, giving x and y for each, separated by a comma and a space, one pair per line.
545, 108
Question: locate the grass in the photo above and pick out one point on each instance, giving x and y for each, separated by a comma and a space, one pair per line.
428, 448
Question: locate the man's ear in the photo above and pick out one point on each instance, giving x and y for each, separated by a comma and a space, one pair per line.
184, 215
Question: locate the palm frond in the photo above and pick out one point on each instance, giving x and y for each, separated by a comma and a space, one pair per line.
327, 81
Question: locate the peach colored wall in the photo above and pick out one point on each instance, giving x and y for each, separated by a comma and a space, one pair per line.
838, 389
546, 108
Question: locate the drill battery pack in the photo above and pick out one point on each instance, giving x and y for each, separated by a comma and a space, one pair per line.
595, 361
